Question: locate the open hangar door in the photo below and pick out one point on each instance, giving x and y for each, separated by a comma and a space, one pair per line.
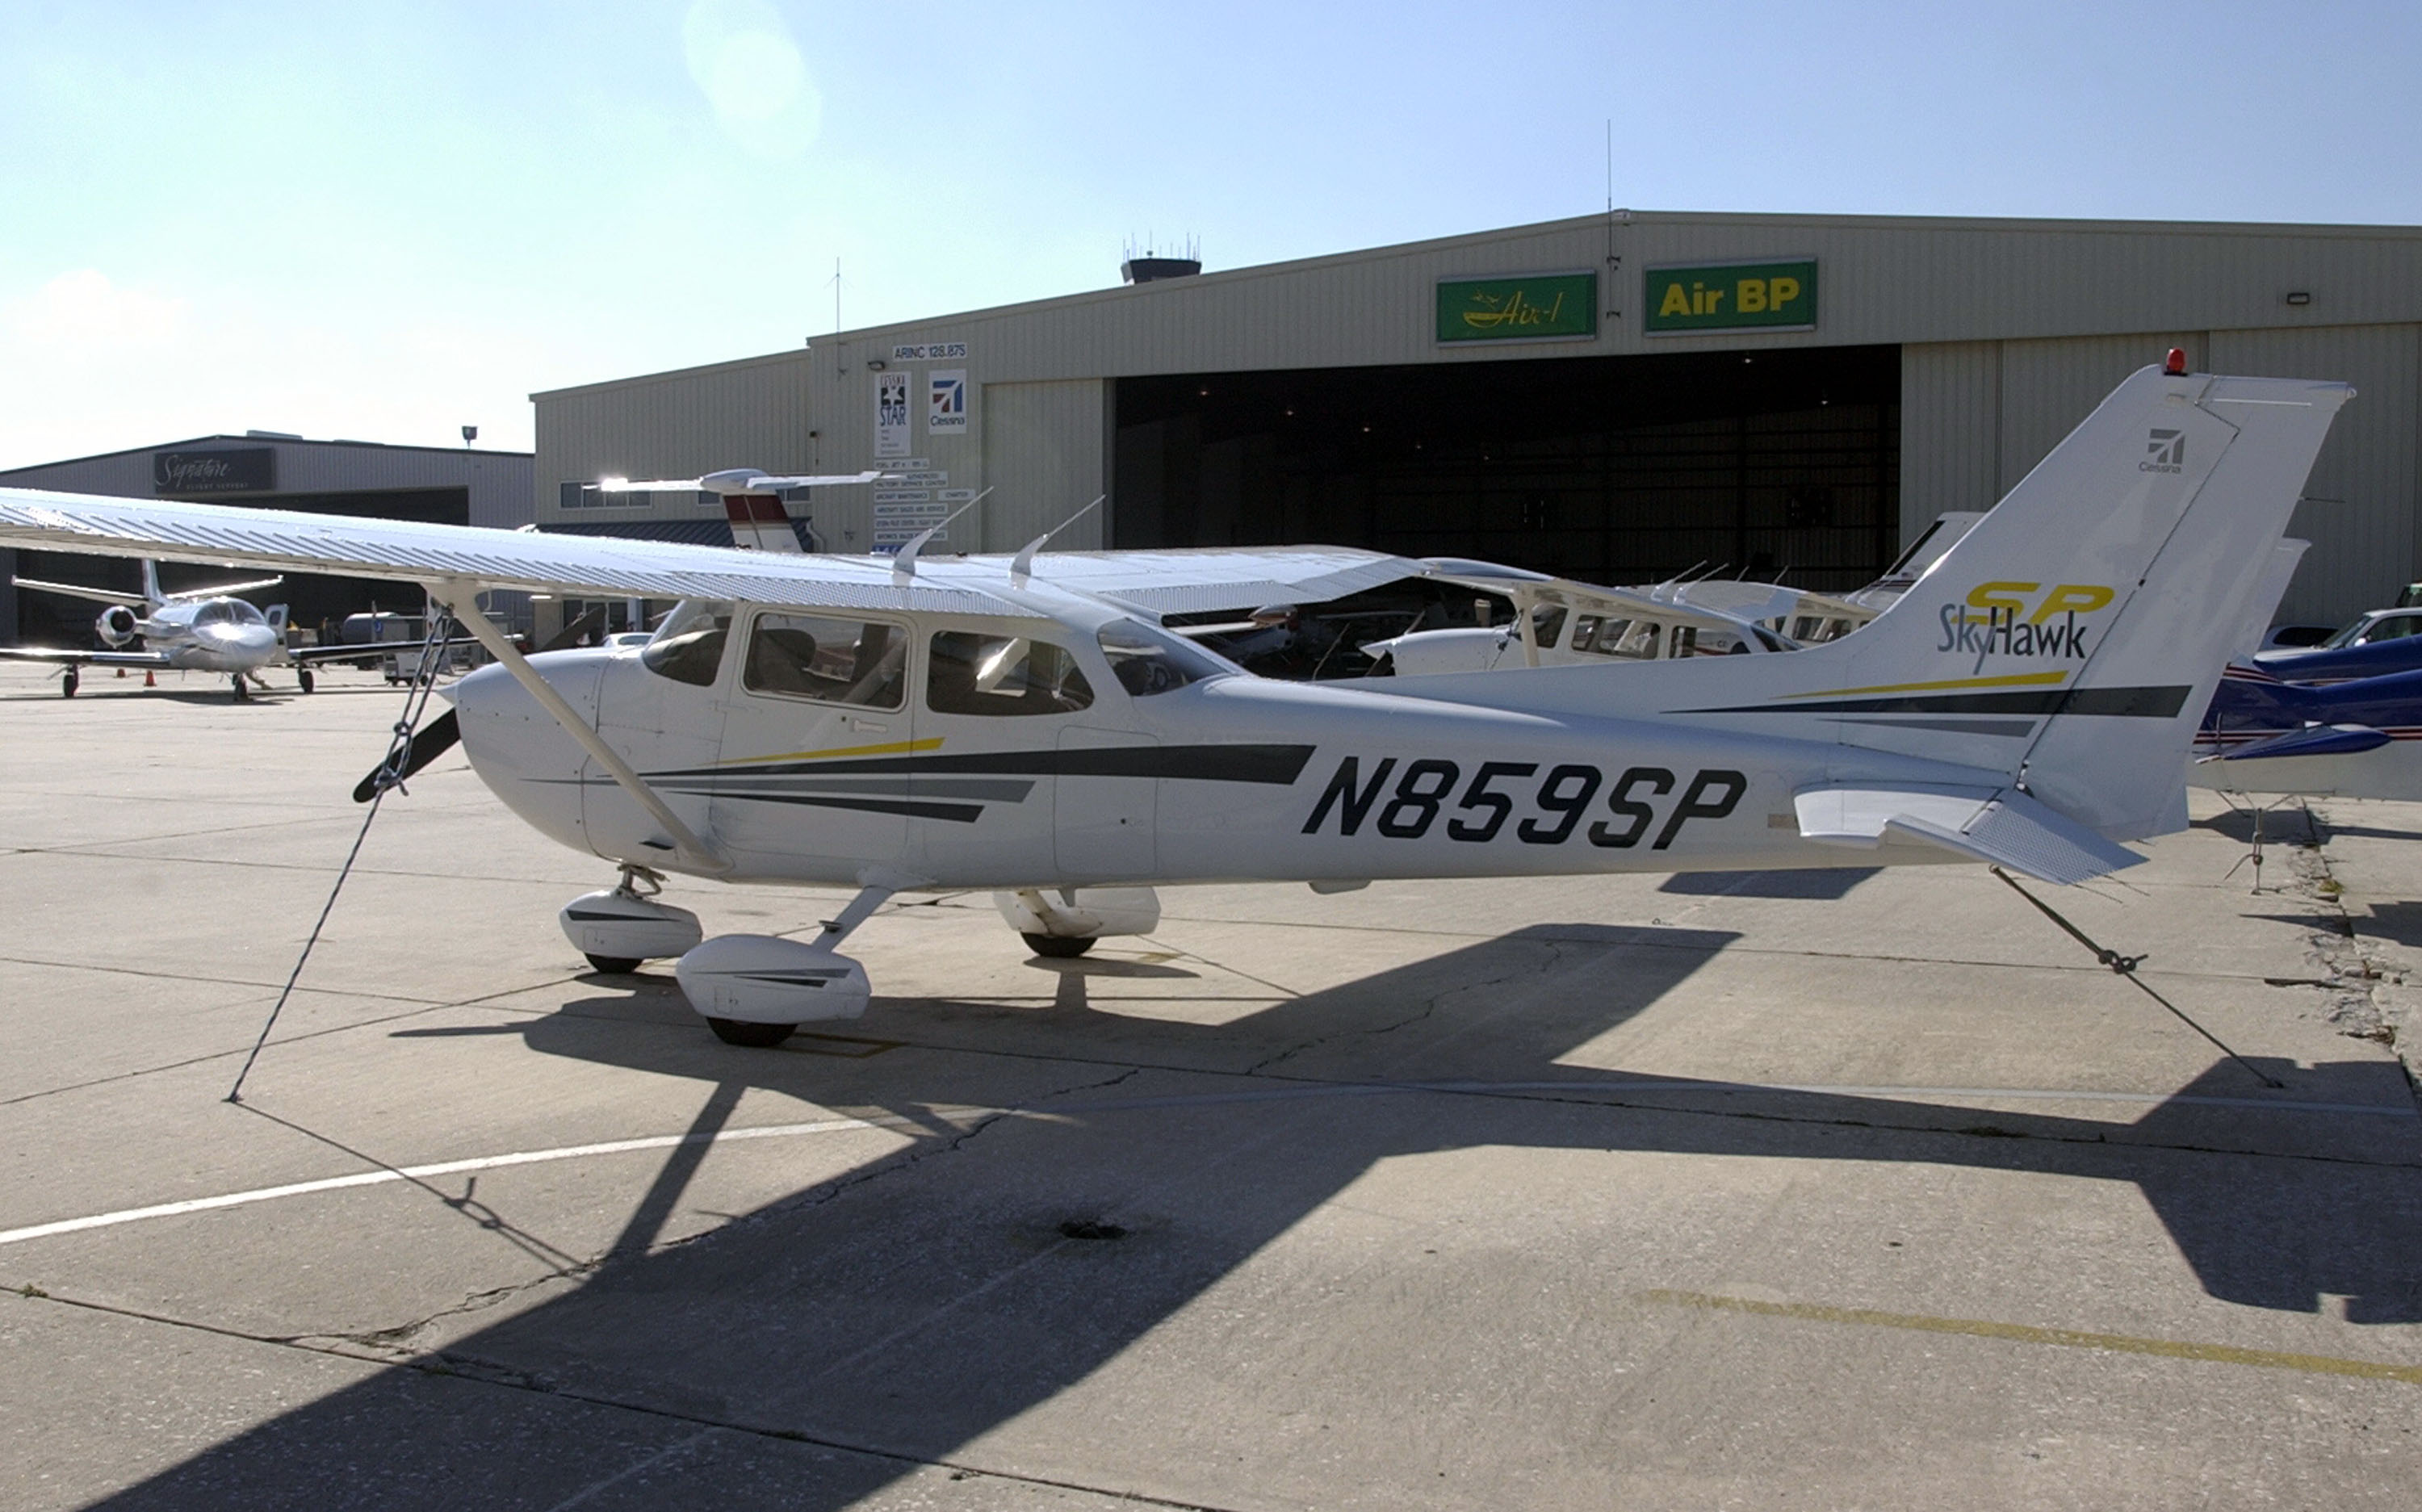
1772, 464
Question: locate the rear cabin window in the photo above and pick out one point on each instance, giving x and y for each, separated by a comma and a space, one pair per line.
972, 672
860, 663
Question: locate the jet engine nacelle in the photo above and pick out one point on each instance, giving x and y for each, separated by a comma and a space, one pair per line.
116, 625
764, 979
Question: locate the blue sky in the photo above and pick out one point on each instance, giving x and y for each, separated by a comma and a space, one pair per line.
386, 221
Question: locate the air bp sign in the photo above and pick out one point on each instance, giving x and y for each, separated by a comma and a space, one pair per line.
1732, 296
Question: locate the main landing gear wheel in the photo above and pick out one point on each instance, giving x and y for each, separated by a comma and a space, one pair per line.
614, 964
1060, 946
68, 681
748, 1035
302, 678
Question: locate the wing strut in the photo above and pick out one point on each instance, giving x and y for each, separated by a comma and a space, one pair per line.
464, 600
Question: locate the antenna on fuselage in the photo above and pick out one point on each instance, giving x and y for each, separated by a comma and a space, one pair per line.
1022, 566
904, 566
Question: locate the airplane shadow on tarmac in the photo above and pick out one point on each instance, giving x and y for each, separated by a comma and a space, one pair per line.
887, 1318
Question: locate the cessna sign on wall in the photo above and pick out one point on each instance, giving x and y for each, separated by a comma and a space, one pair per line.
242, 470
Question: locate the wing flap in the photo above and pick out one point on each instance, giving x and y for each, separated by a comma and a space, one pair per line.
1999, 825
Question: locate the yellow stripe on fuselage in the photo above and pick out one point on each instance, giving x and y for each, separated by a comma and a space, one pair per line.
2015, 680
896, 747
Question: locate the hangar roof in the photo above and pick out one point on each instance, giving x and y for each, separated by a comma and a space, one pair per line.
1887, 279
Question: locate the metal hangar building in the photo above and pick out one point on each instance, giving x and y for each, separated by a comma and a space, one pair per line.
1617, 398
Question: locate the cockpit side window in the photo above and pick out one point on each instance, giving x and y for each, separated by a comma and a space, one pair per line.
858, 662
1149, 661
974, 672
1546, 624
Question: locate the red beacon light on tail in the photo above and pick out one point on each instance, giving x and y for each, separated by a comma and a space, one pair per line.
2176, 363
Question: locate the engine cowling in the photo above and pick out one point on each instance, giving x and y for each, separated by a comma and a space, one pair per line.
116, 626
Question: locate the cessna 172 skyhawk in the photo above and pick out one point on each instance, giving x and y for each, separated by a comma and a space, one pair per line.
1024, 724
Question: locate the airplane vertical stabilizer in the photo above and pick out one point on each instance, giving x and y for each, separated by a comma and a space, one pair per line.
152, 594
759, 522
2099, 601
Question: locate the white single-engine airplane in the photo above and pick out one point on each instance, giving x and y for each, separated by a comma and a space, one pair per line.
1024, 724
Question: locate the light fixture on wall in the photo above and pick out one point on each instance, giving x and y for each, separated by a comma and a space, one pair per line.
2300, 296
875, 364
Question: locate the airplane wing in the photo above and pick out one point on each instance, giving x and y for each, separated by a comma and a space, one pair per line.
1199, 580
365, 650
86, 658
409, 551
2003, 826
221, 590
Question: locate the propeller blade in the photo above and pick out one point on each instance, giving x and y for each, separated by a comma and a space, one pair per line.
430, 741
437, 737
589, 625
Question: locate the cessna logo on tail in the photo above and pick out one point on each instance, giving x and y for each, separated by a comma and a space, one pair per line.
2167, 451
2050, 632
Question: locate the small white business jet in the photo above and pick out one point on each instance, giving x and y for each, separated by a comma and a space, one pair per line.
1024, 724
201, 630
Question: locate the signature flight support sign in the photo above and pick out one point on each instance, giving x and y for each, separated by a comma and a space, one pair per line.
1551, 306
1732, 296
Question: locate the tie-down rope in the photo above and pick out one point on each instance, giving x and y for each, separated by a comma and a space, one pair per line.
2126, 967
417, 693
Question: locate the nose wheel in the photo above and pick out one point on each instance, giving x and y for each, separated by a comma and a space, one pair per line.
68, 681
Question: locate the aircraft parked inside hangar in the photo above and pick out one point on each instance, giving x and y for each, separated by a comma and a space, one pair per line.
1024, 724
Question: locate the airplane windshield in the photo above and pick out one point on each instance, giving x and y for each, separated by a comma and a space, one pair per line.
227, 611
689, 646
2371, 630
1150, 661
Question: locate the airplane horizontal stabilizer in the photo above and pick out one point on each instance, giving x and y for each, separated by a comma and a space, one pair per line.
97, 595
2003, 826
2313, 740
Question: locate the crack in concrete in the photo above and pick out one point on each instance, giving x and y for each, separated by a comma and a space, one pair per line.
1428, 1009
2365, 1004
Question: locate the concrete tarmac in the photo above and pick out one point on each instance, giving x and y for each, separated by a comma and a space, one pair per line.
1834, 1189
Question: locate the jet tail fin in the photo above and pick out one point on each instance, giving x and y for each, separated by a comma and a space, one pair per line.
152, 597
